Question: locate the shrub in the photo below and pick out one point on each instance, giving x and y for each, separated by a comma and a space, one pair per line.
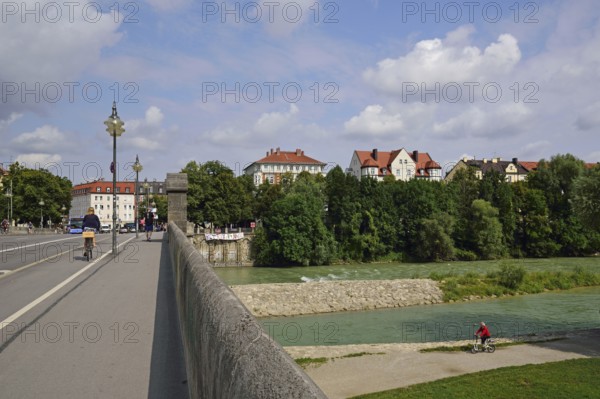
511, 276
464, 255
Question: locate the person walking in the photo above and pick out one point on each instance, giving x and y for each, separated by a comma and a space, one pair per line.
149, 225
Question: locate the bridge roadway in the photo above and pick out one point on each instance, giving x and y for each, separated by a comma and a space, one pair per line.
107, 328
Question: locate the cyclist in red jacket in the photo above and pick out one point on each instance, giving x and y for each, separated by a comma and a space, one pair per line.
483, 332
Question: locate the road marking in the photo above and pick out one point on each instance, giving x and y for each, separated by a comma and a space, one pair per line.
37, 262
36, 302
39, 243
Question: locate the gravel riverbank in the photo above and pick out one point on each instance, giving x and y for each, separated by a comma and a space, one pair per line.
336, 296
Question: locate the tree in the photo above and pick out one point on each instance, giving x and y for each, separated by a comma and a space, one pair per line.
486, 230
215, 195
30, 186
294, 233
533, 233
586, 199
496, 190
434, 242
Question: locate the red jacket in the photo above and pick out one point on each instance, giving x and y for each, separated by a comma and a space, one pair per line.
484, 331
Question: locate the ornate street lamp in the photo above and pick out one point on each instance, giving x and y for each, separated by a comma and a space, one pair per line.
41, 203
137, 167
114, 127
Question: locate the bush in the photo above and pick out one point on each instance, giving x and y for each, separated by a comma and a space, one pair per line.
511, 276
464, 255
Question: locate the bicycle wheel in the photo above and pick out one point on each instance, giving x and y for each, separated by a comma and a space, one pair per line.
474, 349
491, 348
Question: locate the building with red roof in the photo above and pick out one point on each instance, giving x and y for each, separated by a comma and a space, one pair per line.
276, 163
98, 195
401, 164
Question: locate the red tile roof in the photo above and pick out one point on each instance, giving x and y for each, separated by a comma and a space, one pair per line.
91, 187
530, 166
289, 157
385, 159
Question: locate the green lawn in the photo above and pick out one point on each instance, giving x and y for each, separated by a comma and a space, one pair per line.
567, 379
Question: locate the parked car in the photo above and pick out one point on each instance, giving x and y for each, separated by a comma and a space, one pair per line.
105, 228
130, 227
123, 230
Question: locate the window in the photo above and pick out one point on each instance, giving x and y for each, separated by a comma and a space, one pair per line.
108, 189
126, 189
118, 189
98, 190
160, 190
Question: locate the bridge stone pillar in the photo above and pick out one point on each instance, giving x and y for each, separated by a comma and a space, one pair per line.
177, 188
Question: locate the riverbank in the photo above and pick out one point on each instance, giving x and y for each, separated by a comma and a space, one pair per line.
352, 370
295, 299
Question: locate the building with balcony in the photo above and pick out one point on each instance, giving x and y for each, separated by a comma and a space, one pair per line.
276, 163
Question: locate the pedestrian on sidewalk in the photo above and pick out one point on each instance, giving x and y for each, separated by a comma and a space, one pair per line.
149, 225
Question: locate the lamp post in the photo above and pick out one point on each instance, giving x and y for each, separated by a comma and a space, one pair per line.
114, 127
41, 204
137, 167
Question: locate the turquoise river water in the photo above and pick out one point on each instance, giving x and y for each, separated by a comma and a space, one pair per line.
507, 317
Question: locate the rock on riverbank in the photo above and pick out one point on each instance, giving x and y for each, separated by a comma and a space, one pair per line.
336, 296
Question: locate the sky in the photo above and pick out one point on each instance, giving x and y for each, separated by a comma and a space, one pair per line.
230, 80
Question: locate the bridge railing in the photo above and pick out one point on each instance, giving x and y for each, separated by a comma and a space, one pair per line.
228, 354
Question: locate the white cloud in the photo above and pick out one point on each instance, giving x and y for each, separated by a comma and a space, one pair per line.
444, 61
5, 123
375, 120
267, 128
274, 122
34, 160
59, 47
589, 118
494, 122
148, 133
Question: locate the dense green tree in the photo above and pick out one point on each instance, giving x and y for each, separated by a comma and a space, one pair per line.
30, 186
434, 241
486, 230
342, 198
533, 232
464, 189
496, 190
586, 199
215, 195
294, 233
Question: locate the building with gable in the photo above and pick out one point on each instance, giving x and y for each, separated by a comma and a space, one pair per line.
401, 164
513, 170
276, 163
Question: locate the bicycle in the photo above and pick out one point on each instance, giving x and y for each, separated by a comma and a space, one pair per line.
489, 347
88, 243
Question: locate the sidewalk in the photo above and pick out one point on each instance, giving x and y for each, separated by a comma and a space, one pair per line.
111, 333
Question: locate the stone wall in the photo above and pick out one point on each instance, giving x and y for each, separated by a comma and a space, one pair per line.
224, 253
336, 296
228, 355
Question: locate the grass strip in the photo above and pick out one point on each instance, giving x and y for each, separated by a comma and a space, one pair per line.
576, 378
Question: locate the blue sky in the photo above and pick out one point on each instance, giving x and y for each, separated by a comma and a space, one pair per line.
230, 80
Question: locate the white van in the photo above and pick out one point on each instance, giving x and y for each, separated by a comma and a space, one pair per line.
104, 228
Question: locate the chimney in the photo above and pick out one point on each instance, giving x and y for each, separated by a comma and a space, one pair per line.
375, 154
484, 160
416, 155
278, 151
465, 159
267, 153
298, 152
271, 151
516, 161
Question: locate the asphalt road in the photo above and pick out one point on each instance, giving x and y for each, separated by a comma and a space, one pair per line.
101, 329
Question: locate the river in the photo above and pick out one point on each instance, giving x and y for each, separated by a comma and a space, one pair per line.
510, 317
